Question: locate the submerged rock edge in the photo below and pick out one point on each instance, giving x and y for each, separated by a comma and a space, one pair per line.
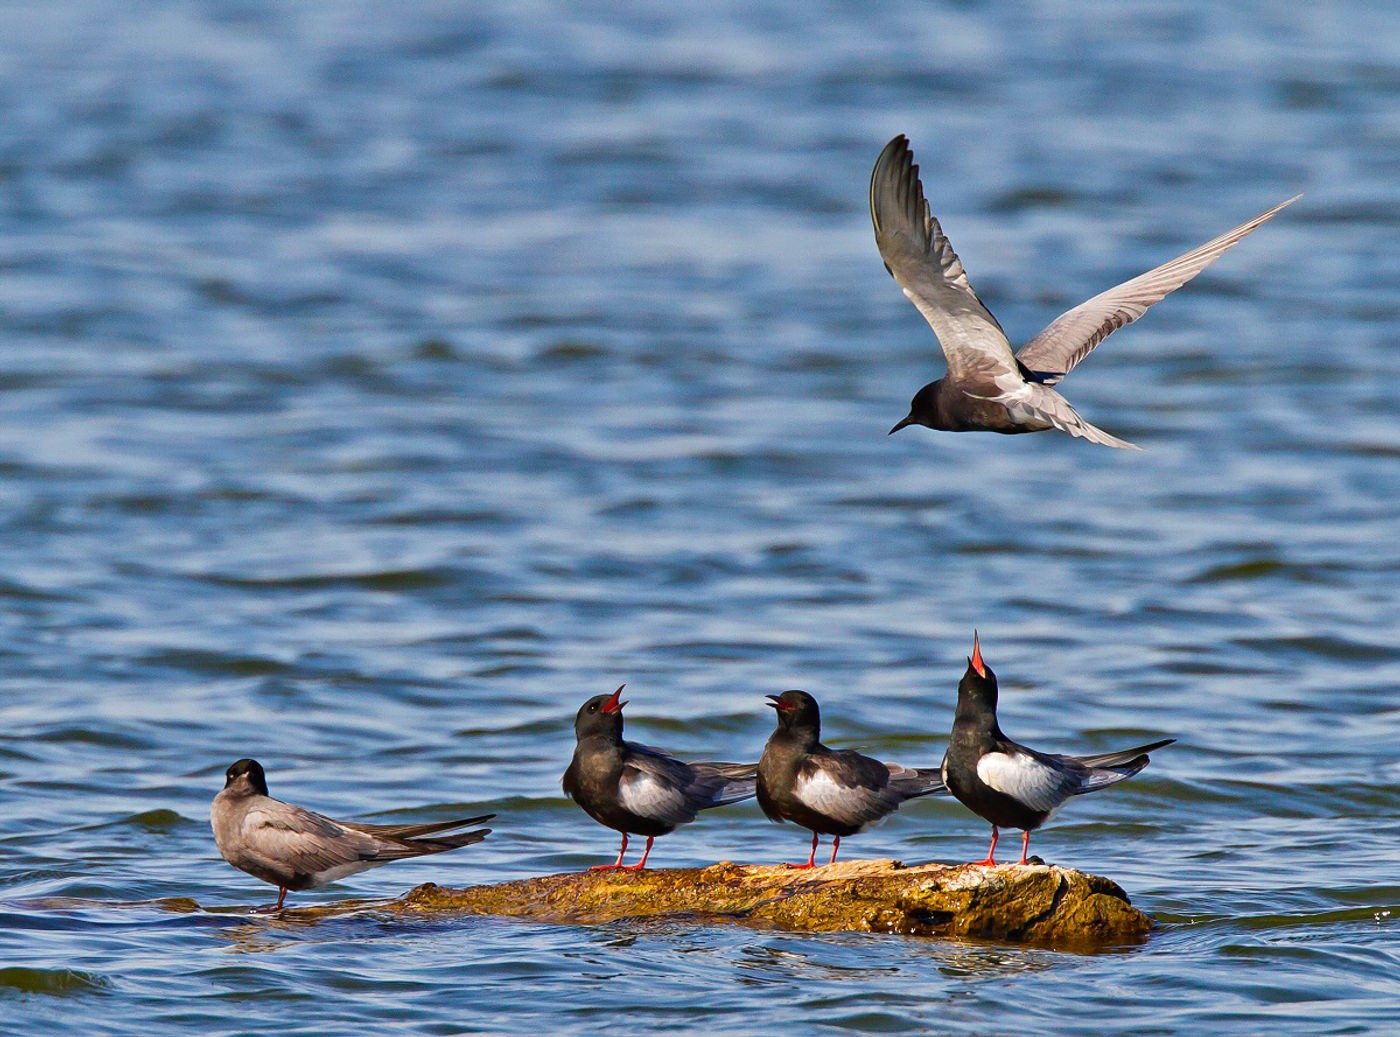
1038, 905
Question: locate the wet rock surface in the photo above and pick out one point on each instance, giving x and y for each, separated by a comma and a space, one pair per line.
1036, 904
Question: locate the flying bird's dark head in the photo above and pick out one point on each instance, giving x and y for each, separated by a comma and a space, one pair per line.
246, 778
797, 711
923, 408
979, 683
600, 715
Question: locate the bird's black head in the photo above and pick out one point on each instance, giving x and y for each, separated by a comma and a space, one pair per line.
246, 776
600, 715
923, 408
979, 684
797, 711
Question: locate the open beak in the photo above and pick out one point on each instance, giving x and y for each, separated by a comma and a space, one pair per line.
612, 705
907, 420
976, 661
777, 703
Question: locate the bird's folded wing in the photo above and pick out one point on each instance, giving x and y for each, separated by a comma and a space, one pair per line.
919, 257
1030, 401
847, 787
306, 842
1038, 782
654, 786
1054, 352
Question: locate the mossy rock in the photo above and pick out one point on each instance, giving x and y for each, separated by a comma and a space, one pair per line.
1034, 904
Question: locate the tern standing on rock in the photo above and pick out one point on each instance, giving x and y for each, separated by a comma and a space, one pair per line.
295, 848
637, 790
987, 387
836, 792
1011, 785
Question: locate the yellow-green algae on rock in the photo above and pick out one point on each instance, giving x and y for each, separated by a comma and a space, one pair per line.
1033, 904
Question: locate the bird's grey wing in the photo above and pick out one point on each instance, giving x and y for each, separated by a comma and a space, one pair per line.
1054, 352
282, 836
1033, 402
655, 786
919, 257
821, 785
1039, 781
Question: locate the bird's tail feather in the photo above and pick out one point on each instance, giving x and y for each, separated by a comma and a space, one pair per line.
450, 842
735, 782
1123, 756
914, 782
416, 831
391, 849
1110, 768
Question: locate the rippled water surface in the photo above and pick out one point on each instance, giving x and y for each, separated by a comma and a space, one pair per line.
378, 383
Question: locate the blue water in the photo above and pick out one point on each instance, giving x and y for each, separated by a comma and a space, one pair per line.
380, 382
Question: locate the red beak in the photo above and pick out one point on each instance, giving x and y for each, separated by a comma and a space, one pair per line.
976, 661
612, 705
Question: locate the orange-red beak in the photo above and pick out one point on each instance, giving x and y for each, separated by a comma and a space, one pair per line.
976, 661
612, 705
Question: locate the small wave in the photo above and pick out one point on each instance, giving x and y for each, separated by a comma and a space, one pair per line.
387, 580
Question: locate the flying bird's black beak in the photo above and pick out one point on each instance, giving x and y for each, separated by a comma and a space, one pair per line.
906, 420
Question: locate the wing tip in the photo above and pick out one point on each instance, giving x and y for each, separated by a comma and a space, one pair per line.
896, 167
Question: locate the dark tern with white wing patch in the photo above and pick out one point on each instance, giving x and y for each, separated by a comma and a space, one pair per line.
295, 848
637, 790
1011, 785
987, 387
836, 792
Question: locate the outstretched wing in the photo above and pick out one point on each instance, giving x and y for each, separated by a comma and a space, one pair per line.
921, 260
1072, 336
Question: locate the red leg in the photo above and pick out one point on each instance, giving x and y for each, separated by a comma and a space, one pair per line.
645, 854
617, 863
1025, 844
834, 847
991, 853
281, 896
811, 857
